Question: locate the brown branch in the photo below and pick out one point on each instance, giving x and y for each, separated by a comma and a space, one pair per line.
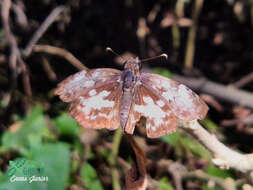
15, 56
226, 184
48, 69
243, 81
6, 4
219, 91
174, 169
20, 15
224, 157
247, 120
60, 52
42, 29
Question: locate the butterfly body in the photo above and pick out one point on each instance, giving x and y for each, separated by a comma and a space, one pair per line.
107, 98
130, 78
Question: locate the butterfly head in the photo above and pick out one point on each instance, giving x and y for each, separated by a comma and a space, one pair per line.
133, 64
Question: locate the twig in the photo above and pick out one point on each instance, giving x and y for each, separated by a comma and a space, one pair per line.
48, 69
224, 157
174, 169
6, 4
226, 184
15, 56
60, 52
248, 121
44, 26
113, 159
190, 48
243, 81
20, 15
219, 91
211, 101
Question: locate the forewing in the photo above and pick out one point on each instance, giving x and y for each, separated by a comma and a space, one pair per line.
160, 120
185, 104
98, 108
81, 82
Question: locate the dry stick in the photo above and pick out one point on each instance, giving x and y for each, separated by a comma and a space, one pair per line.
247, 120
176, 168
44, 26
222, 92
60, 52
113, 159
224, 157
15, 56
190, 48
176, 175
226, 184
243, 81
20, 15
48, 69
6, 4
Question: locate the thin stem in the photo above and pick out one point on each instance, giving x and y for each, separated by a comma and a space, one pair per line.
113, 159
190, 49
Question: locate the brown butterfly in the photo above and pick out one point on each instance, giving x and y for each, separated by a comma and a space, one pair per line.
107, 98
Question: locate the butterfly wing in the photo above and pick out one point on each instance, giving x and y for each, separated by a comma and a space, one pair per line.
81, 82
160, 120
185, 104
98, 108
95, 96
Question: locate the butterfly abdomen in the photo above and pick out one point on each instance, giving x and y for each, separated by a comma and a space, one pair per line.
125, 105
126, 97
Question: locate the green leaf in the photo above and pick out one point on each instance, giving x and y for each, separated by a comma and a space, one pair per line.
163, 72
164, 184
29, 134
90, 178
67, 125
214, 171
171, 139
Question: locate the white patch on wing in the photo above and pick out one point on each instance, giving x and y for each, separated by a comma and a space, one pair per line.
180, 96
184, 99
79, 76
96, 102
93, 117
96, 74
87, 84
80, 80
92, 92
160, 103
151, 110
170, 94
182, 90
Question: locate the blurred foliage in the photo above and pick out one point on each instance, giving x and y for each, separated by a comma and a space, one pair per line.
164, 184
88, 174
34, 142
162, 71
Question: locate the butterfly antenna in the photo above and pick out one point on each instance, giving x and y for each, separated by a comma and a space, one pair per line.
110, 49
156, 57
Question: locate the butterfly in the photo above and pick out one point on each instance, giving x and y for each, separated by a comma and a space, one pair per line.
107, 98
